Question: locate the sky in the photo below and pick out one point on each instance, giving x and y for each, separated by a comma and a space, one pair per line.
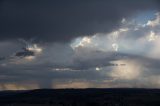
79, 44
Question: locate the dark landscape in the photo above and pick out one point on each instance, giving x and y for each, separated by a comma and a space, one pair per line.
81, 97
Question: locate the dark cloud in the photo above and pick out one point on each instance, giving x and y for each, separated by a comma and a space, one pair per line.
94, 61
45, 76
25, 53
61, 20
2, 58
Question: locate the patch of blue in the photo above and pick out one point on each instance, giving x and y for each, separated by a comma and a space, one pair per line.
143, 17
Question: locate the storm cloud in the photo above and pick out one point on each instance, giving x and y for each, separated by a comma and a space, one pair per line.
79, 44
61, 20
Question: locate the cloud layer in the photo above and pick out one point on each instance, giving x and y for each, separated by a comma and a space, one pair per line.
80, 44
61, 20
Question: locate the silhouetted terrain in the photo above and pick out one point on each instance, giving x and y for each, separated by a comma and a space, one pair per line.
81, 97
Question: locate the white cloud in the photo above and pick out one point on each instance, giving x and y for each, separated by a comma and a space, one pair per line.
155, 22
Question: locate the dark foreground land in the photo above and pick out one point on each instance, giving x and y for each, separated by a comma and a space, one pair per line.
81, 97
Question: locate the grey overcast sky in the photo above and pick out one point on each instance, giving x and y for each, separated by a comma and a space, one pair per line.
79, 44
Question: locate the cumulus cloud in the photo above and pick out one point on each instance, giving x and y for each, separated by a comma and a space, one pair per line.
155, 22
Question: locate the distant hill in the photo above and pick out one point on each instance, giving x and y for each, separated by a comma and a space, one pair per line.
81, 97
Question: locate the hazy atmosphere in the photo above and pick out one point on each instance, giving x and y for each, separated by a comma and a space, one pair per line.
79, 44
